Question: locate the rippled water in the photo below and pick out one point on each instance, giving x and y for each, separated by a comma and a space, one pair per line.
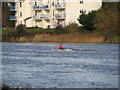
41, 65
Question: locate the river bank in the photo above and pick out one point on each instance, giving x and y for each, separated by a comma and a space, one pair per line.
61, 38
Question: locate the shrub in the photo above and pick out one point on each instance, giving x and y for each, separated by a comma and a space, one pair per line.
20, 30
60, 30
72, 27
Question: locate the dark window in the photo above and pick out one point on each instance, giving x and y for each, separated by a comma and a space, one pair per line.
20, 4
57, 1
81, 1
20, 14
82, 11
53, 3
53, 13
35, 3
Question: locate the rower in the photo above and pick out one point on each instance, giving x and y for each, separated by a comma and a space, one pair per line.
60, 47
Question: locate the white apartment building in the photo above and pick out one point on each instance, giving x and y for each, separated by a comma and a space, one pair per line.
51, 13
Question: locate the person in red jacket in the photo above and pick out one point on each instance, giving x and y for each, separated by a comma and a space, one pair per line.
60, 47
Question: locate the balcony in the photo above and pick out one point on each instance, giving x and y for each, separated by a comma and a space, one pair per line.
12, 17
42, 16
60, 6
41, 7
60, 16
12, 8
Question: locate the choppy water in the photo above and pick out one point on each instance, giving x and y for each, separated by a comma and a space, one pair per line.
41, 65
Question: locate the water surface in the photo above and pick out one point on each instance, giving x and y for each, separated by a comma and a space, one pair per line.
41, 65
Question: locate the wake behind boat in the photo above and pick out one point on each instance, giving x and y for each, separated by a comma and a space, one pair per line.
66, 49
63, 49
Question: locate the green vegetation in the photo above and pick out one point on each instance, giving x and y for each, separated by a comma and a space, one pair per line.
0, 31
87, 20
71, 28
105, 20
38, 30
106, 5
116, 38
59, 30
6, 22
20, 30
6, 31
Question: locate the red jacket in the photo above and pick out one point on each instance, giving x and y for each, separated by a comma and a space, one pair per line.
60, 47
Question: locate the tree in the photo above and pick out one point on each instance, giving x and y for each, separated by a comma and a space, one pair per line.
20, 30
6, 22
87, 20
107, 18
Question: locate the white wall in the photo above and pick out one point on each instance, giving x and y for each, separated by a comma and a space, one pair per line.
72, 11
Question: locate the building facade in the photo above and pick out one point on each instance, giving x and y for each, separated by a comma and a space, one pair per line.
50, 13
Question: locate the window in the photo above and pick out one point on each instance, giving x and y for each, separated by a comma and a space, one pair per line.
20, 14
35, 3
57, 1
53, 13
81, 1
20, 4
82, 11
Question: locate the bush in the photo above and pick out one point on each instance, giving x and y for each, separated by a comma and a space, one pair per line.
60, 30
72, 27
20, 30
81, 29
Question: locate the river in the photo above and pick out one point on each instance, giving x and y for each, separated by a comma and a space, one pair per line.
41, 65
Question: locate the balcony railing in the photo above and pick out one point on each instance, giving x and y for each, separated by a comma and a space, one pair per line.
40, 7
12, 8
60, 16
42, 16
60, 6
12, 17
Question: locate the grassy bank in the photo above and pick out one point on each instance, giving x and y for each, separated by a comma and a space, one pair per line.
69, 34
84, 37
115, 39
62, 38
